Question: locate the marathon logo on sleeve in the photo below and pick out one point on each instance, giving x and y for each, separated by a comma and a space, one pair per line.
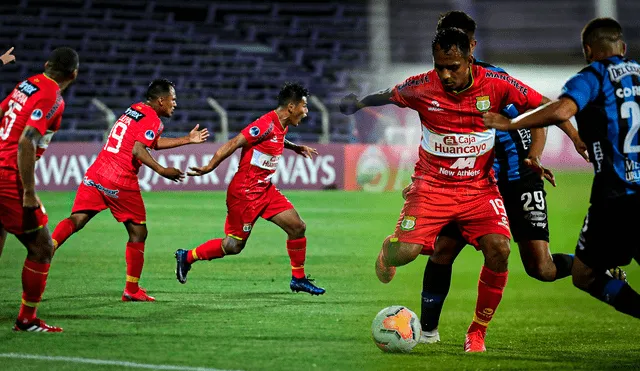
28, 88
414, 81
55, 107
503, 76
135, 115
457, 145
621, 70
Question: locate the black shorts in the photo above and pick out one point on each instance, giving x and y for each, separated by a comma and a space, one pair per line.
609, 237
526, 205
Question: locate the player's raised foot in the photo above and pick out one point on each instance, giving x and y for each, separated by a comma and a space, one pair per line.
429, 337
140, 295
617, 273
385, 273
182, 265
36, 325
305, 284
474, 342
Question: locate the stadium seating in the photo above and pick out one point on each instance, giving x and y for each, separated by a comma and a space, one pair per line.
239, 53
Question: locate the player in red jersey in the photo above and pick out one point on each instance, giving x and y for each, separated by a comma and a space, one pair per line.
453, 179
31, 114
251, 194
111, 182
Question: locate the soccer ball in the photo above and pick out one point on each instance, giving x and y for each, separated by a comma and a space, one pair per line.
396, 329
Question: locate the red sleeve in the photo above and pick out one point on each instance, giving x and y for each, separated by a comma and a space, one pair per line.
404, 94
258, 130
148, 132
37, 117
5, 104
520, 95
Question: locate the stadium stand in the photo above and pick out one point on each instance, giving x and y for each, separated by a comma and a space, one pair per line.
239, 53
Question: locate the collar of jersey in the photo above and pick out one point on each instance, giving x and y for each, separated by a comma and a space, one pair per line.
470, 84
45, 75
278, 118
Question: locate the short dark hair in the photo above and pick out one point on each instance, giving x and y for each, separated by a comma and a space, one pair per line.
601, 30
159, 88
458, 19
447, 38
291, 92
63, 60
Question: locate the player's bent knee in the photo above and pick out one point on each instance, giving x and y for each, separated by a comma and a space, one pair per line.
231, 246
298, 229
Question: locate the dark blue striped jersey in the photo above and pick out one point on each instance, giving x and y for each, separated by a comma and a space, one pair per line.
511, 147
607, 94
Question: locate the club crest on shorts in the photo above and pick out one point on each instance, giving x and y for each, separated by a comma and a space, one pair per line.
408, 223
149, 134
254, 131
483, 103
247, 227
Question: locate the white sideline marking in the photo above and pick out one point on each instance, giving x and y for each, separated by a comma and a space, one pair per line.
105, 362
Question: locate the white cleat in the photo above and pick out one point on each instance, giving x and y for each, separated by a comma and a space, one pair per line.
430, 337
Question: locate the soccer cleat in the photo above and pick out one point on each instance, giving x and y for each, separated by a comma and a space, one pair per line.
617, 273
385, 273
37, 325
429, 337
182, 266
305, 284
140, 295
474, 342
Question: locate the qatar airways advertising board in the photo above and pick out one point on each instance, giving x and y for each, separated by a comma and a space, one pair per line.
372, 168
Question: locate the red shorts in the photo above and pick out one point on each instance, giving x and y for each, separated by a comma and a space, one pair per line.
477, 209
242, 214
96, 194
13, 217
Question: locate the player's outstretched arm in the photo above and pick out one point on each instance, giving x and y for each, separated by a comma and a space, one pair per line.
302, 150
351, 104
221, 154
554, 113
140, 152
195, 136
27, 164
7, 57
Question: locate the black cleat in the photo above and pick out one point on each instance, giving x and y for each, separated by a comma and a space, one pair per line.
182, 266
305, 284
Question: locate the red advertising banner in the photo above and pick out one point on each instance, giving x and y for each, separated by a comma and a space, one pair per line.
63, 166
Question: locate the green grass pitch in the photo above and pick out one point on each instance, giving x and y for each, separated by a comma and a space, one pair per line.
238, 313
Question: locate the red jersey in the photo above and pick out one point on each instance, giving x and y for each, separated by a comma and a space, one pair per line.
455, 144
260, 157
35, 102
139, 123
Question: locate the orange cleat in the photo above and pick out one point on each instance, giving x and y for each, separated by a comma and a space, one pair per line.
474, 342
140, 295
36, 325
385, 273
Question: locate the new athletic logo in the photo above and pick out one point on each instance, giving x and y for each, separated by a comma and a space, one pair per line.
149, 134
36, 114
408, 223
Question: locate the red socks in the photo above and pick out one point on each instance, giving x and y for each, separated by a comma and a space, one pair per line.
34, 280
209, 250
490, 288
63, 230
135, 260
297, 250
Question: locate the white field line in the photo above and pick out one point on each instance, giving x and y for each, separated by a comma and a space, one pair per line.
105, 362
